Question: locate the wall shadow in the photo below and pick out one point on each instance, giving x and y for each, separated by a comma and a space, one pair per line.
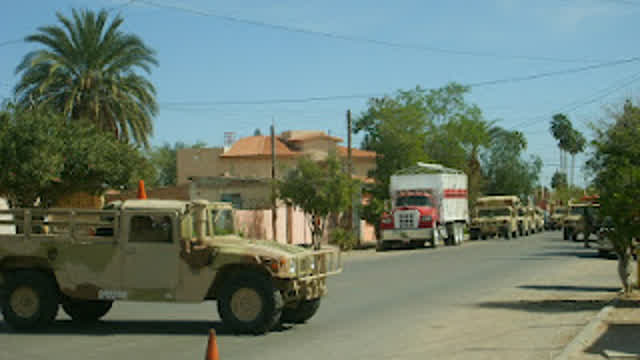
617, 337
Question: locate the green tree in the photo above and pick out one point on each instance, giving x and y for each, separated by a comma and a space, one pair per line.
163, 158
436, 125
616, 166
319, 189
90, 69
44, 157
507, 172
559, 180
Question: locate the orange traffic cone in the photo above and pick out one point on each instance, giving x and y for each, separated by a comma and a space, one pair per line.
142, 194
212, 347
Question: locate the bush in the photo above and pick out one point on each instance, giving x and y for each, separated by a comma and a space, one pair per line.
343, 238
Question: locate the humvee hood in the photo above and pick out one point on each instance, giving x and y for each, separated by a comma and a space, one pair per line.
258, 247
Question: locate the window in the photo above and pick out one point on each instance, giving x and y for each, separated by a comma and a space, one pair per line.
413, 201
150, 229
235, 199
222, 221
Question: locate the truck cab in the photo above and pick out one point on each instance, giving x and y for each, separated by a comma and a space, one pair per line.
411, 221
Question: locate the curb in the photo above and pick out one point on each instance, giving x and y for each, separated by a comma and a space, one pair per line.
587, 334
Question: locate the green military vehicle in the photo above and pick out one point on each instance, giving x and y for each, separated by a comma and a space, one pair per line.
154, 250
581, 220
557, 218
494, 215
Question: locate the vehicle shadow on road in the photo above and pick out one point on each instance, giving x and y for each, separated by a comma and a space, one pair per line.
547, 306
570, 288
134, 327
583, 254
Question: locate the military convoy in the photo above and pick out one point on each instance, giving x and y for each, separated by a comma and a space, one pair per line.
504, 216
154, 250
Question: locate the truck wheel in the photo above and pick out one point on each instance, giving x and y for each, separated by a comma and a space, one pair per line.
300, 313
435, 239
565, 234
574, 237
381, 246
86, 310
249, 303
30, 300
507, 234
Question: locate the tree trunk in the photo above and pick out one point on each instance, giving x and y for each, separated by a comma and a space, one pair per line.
573, 168
624, 270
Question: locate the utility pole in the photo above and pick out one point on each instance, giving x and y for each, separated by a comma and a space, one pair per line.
274, 209
350, 172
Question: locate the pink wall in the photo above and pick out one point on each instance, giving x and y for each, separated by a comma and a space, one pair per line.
257, 224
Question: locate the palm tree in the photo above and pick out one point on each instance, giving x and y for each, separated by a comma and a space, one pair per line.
91, 70
561, 130
576, 145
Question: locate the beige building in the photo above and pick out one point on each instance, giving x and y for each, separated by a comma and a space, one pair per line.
250, 158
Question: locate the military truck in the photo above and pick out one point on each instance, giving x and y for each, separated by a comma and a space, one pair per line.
557, 218
495, 215
154, 250
581, 220
524, 221
538, 219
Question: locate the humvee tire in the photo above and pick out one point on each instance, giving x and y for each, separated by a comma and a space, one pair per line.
30, 300
565, 234
507, 234
302, 312
249, 303
86, 310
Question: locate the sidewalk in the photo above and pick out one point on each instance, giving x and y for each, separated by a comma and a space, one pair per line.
617, 334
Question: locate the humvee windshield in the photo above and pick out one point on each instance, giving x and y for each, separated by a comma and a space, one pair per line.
494, 212
413, 201
578, 211
560, 211
222, 221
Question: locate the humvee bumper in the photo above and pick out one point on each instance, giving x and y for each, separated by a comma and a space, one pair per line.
308, 281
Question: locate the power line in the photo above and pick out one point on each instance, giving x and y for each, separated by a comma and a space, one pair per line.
359, 96
601, 94
351, 38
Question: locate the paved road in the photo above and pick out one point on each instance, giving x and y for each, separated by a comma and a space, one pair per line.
397, 304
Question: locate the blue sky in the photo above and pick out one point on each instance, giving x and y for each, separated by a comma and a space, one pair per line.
207, 60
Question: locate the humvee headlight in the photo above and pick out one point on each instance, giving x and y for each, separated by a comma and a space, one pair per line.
313, 263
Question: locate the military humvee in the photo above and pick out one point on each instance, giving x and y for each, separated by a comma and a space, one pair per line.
154, 250
557, 219
538, 216
494, 215
524, 221
582, 219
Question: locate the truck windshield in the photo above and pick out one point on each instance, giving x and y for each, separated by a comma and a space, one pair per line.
414, 200
560, 211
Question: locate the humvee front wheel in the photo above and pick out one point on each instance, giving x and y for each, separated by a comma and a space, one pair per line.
30, 300
248, 303
86, 310
301, 312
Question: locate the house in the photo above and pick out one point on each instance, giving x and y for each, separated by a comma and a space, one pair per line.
242, 174
247, 164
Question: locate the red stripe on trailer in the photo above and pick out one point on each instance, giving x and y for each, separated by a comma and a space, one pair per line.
455, 193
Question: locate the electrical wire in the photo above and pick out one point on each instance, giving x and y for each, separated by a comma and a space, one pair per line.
351, 38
